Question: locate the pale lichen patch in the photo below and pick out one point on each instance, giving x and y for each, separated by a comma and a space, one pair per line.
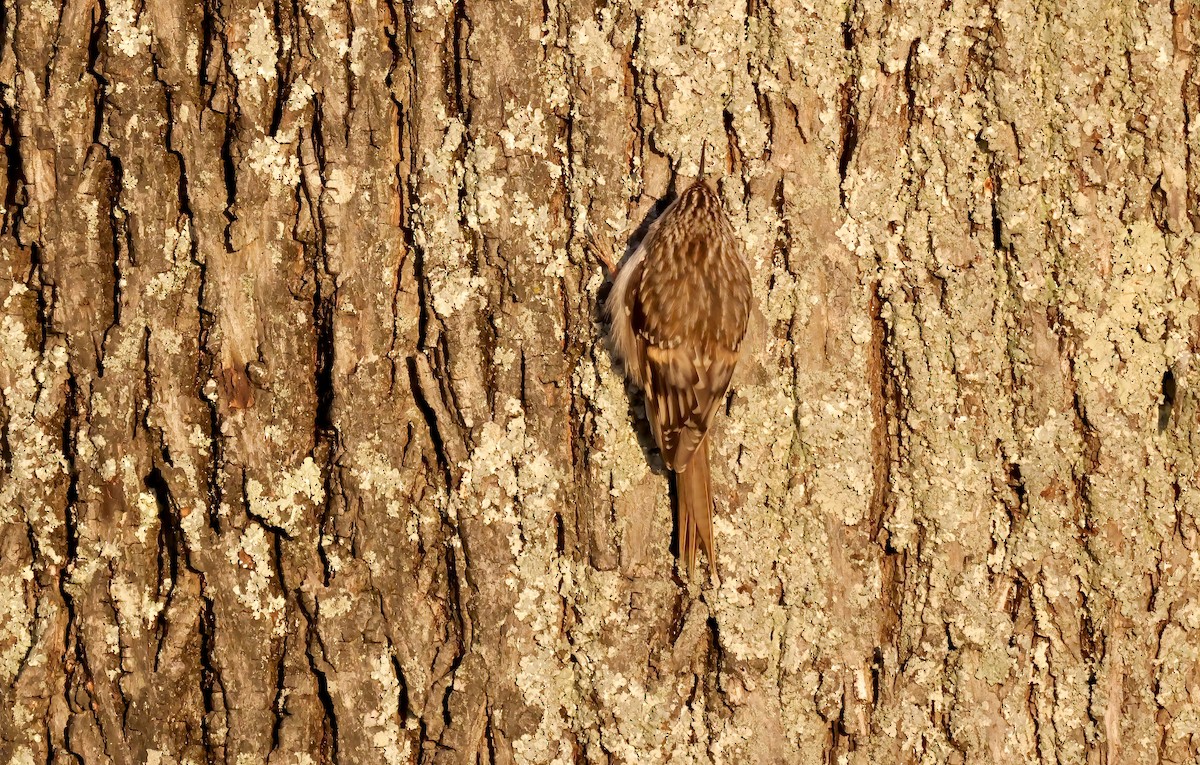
22, 756
507, 469
505, 358
46, 9
378, 476
300, 96
359, 39
429, 10
16, 622
643, 723
510, 479
129, 36
546, 682
335, 27
703, 84
538, 223
137, 608
452, 286
486, 185
278, 505
525, 132
453, 290
275, 160
178, 242
147, 508
27, 380
1122, 347
383, 724
340, 186
617, 452
251, 552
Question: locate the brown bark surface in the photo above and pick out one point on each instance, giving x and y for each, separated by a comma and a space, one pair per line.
310, 451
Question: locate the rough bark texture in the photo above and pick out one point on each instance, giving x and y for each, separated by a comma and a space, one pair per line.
309, 451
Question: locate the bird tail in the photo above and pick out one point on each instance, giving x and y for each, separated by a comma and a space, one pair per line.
694, 485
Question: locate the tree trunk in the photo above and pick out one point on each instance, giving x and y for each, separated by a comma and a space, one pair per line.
311, 451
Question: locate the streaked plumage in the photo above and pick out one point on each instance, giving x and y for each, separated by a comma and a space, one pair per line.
679, 308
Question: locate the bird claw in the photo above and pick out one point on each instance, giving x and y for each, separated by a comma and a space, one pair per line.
593, 247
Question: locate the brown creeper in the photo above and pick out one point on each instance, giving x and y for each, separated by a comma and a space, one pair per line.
679, 308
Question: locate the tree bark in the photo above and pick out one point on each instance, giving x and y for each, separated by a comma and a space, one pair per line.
311, 451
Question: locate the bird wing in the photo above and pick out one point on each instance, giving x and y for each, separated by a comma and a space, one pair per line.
684, 390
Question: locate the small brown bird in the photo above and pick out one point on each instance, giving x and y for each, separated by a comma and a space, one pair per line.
679, 308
